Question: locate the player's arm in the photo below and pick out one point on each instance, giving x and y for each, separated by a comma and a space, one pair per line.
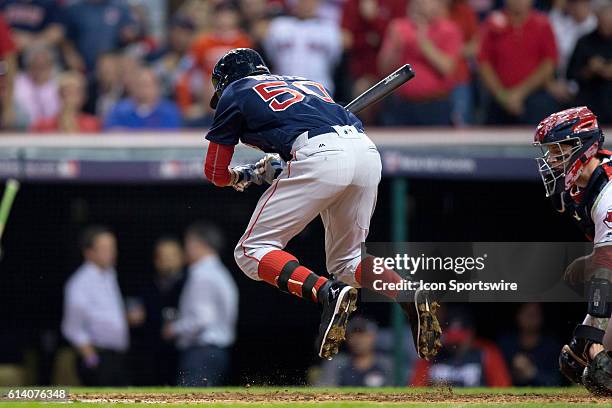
216, 167
224, 135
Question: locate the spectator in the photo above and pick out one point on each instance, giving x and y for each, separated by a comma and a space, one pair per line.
591, 65
517, 59
160, 301
8, 66
531, 355
570, 19
130, 69
70, 118
462, 97
36, 89
256, 16
464, 361
154, 12
144, 108
362, 367
208, 310
432, 43
97, 26
173, 59
195, 89
34, 22
94, 320
202, 13
144, 43
106, 87
304, 44
483, 7
363, 26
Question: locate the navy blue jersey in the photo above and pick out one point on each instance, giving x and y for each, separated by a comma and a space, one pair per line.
31, 15
269, 112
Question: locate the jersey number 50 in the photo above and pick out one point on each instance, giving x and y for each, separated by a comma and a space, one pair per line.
270, 92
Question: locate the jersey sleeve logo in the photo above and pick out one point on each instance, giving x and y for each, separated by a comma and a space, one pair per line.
282, 95
608, 219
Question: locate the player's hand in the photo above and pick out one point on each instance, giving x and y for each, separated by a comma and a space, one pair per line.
578, 272
269, 167
515, 102
243, 176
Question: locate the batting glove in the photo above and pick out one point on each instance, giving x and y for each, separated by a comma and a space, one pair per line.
269, 167
243, 176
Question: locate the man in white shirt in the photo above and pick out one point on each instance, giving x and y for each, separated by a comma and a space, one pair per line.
208, 310
304, 44
570, 20
94, 320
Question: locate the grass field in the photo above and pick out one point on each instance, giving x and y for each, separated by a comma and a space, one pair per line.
327, 398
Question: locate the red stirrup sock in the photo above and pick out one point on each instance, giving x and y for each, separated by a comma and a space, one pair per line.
281, 269
387, 276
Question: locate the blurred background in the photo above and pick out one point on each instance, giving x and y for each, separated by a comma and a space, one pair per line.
104, 106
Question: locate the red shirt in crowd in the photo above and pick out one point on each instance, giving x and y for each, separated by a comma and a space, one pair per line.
367, 34
462, 14
86, 123
515, 52
493, 373
401, 38
7, 47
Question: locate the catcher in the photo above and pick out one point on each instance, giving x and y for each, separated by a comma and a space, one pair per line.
577, 176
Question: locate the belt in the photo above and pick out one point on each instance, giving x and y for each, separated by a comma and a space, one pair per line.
301, 139
322, 131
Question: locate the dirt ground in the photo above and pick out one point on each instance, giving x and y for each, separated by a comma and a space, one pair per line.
436, 396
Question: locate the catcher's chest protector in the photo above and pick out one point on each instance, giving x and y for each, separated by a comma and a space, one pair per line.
581, 204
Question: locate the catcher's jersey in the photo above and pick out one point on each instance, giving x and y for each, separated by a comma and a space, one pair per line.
601, 215
269, 112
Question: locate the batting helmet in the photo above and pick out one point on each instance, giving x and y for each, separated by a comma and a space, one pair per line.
236, 64
569, 140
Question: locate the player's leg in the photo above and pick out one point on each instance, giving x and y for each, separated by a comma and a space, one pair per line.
586, 359
291, 202
281, 213
347, 222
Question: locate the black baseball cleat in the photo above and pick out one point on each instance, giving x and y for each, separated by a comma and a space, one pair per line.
426, 330
339, 300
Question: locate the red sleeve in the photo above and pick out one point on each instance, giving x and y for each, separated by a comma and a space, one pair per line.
218, 159
471, 23
420, 375
495, 369
7, 46
486, 44
452, 40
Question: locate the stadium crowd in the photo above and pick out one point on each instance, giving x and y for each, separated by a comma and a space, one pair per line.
103, 65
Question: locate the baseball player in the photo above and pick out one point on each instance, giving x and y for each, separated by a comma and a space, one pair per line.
326, 166
577, 176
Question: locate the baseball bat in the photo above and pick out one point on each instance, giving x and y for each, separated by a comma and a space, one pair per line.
10, 191
383, 88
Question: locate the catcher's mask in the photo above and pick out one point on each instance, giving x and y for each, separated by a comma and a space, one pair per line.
568, 140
